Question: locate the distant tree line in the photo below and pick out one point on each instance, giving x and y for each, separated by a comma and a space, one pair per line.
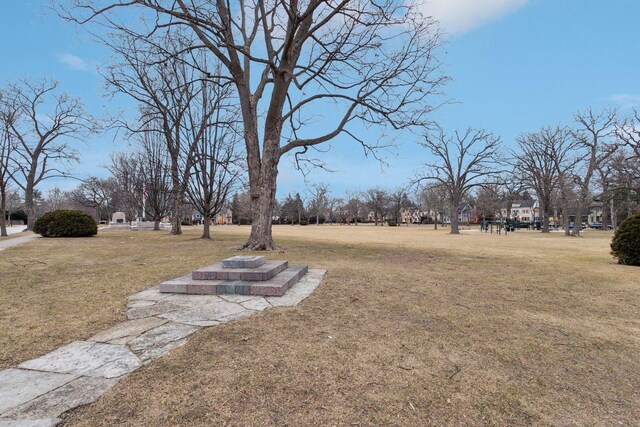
224, 91
566, 170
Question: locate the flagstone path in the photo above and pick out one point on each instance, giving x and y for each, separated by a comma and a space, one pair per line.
38, 391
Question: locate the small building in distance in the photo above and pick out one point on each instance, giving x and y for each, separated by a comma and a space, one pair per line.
410, 215
523, 210
223, 218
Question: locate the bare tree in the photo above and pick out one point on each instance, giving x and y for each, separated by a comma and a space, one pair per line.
433, 198
13, 203
371, 62
398, 200
377, 201
566, 157
604, 172
318, 200
215, 165
45, 123
488, 201
627, 166
538, 161
241, 209
98, 194
333, 204
155, 174
592, 134
625, 184
7, 166
127, 171
170, 96
56, 199
629, 133
509, 187
462, 162
354, 206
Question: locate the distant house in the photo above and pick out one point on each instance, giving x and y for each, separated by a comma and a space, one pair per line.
522, 210
595, 214
467, 214
410, 215
431, 216
223, 218
372, 217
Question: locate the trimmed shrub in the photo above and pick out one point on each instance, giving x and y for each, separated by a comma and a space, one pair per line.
66, 223
626, 241
392, 223
304, 222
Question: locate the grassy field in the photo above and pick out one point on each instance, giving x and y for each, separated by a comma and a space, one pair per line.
411, 327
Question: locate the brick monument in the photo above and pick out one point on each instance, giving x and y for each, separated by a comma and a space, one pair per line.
242, 275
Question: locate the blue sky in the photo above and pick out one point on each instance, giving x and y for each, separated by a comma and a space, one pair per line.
516, 65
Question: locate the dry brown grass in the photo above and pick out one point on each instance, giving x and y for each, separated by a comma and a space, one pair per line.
410, 327
54, 291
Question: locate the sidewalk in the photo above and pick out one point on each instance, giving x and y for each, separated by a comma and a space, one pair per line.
38, 391
16, 229
9, 243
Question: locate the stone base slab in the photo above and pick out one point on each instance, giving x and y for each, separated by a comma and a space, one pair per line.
274, 286
218, 272
119, 226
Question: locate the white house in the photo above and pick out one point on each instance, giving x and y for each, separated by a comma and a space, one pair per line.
523, 210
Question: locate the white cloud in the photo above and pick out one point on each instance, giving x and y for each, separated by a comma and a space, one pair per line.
626, 100
73, 61
459, 16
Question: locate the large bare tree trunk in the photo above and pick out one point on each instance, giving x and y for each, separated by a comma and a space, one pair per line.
206, 232
29, 207
156, 225
605, 212
544, 218
583, 201
3, 208
567, 220
176, 223
454, 218
263, 196
577, 222
261, 238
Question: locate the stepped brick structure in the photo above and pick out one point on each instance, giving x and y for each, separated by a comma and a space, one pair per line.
241, 275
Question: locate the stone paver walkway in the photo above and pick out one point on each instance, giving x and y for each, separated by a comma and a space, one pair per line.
38, 391
15, 241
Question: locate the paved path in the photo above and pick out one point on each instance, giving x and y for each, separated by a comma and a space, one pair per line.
38, 391
15, 241
16, 229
